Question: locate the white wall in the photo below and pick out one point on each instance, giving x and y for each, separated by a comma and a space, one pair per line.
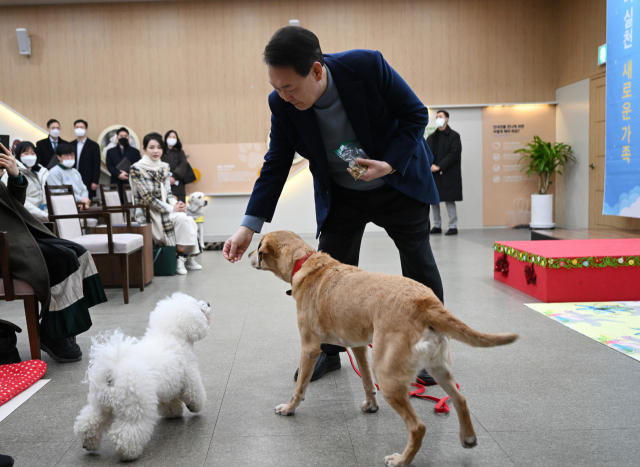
572, 127
296, 209
17, 126
468, 122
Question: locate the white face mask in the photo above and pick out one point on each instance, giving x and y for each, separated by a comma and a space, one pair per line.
55, 132
68, 162
172, 141
80, 132
440, 122
29, 161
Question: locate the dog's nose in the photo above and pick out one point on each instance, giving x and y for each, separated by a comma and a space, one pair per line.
208, 305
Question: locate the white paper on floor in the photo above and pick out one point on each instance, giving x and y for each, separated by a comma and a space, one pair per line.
8, 407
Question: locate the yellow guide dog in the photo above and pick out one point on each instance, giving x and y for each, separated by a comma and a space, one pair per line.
407, 324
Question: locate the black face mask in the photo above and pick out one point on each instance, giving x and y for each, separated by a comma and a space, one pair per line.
124, 141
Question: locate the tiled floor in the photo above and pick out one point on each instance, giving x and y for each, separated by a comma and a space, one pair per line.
554, 398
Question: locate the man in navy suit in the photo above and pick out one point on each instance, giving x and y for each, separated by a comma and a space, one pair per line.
87, 157
321, 102
115, 156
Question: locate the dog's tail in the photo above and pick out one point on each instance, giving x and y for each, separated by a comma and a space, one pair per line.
106, 352
442, 320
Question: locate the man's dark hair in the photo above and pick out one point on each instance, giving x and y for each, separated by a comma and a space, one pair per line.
53, 120
178, 145
86, 125
153, 136
293, 47
122, 129
22, 147
446, 114
65, 148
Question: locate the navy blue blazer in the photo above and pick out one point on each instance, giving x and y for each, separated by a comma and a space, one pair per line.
387, 117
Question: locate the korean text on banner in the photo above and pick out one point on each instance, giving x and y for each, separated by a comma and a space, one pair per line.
622, 154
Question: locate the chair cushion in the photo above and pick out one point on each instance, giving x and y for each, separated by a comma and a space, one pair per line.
90, 222
98, 244
64, 205
20, 287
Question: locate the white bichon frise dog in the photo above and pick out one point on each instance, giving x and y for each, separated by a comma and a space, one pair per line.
132, 381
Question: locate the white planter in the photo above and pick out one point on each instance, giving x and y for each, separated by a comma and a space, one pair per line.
542, 212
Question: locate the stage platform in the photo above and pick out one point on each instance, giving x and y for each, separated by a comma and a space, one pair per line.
571, 270
582, 234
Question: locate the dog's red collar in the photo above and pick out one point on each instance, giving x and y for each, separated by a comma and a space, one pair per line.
297, 267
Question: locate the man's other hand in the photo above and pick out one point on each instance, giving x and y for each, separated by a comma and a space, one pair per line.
237, 245
123, 175
375, 169
435, 168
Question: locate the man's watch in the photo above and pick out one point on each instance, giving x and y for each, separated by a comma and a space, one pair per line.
392, 171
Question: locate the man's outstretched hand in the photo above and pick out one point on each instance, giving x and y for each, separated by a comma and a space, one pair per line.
237, 245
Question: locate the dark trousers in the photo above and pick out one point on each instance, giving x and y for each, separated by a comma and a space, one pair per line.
405, 219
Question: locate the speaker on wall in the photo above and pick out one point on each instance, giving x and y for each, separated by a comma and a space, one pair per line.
24, 42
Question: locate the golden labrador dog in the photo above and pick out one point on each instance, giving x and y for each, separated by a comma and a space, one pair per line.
407, 324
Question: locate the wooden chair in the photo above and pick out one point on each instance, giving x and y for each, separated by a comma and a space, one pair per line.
86, 222
64, 212
16, 289
111, 199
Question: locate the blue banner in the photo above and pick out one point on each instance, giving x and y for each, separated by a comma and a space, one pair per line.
622, 155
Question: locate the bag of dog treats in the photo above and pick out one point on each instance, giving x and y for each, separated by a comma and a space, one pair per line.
350, 152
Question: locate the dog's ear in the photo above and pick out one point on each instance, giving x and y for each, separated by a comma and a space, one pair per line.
267, 247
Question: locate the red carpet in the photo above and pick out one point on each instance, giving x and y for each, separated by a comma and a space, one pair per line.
571, 270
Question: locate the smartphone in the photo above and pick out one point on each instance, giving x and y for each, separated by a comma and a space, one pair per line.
4, 139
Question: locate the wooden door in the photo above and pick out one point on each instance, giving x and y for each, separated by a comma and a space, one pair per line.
597, 107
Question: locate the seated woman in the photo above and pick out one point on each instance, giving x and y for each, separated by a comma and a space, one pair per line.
61, 273
36, 175
150, 184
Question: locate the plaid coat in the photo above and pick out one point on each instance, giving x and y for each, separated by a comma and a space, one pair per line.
146, 186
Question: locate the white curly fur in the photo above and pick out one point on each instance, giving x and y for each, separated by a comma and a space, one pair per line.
132, 381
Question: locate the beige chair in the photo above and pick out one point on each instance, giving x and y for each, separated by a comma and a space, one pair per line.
48, 189
111, 199
16, 289
64, 213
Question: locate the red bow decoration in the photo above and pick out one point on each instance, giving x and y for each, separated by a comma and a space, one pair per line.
530, 274
502, 265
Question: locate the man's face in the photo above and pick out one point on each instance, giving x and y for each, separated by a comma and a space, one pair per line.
54, 126
293, 88
123, 134
80, 125
442, 115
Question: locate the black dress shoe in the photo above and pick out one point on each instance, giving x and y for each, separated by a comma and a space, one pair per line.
5, 461
452, 232
8, 351
61, 350
324, 365
425, 378
435, 230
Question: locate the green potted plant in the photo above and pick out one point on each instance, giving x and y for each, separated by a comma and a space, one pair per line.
544, 159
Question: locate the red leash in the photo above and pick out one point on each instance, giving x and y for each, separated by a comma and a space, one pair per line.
441, 404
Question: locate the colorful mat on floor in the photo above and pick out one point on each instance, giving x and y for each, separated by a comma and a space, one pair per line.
614, 324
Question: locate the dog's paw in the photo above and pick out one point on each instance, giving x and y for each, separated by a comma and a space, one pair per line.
91, 444
369, 407
394, 460
194, 408
284, 409
469, 442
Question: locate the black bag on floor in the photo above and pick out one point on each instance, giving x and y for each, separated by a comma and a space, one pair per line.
164, 260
